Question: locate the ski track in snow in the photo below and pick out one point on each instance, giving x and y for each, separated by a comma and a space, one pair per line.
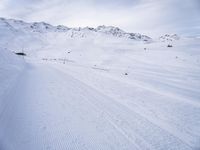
57, 110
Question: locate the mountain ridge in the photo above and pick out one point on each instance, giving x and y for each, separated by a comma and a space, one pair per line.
42, 27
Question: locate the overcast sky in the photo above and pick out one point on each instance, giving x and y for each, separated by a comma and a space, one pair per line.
150, 17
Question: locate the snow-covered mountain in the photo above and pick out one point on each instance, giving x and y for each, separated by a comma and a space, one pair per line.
169, 37
42, 27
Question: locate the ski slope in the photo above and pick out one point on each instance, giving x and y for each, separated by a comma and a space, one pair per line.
74, 106
55, 110
102, 93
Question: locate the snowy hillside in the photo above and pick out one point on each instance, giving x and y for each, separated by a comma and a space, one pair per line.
97, 88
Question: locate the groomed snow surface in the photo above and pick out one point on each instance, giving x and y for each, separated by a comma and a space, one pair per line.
80, 94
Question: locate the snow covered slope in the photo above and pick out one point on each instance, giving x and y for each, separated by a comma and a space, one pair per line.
100, 88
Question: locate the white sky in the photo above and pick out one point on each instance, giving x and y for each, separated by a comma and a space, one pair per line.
150, 17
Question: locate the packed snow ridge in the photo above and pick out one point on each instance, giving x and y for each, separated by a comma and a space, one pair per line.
42, 27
